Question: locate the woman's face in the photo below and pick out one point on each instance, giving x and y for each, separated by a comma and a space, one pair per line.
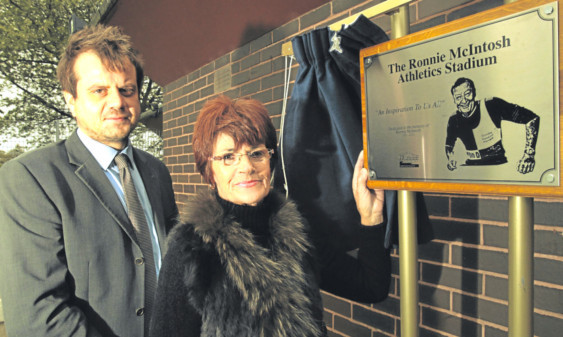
244, 183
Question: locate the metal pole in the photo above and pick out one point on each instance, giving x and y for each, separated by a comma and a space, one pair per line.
408, 261
520, 264
520, 267
400, 22
408, 254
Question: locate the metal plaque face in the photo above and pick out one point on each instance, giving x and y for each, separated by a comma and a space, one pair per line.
479, 105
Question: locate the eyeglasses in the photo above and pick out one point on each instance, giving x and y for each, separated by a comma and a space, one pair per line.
255, 157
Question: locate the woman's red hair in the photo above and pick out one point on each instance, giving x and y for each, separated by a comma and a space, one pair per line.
245, 120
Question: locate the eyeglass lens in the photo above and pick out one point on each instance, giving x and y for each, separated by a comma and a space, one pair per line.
256, 156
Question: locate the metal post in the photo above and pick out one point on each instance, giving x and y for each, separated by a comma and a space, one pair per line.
408, 254
400, 22
520, 264
408, 261
520, 267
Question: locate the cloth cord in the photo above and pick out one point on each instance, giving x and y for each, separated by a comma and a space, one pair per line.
139, 221
287, 78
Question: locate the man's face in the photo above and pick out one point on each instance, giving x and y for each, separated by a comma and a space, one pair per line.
106, 106
464, 98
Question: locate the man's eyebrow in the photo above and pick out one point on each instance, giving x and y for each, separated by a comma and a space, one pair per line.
96, 86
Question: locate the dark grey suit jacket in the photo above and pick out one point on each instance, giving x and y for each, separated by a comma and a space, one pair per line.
67, 248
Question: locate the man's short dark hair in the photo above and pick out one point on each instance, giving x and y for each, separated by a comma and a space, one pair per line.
111, 45
462, 80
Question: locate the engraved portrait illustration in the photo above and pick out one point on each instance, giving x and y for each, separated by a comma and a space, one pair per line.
477, 124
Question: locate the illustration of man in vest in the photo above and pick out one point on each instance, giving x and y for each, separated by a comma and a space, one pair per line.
477, 123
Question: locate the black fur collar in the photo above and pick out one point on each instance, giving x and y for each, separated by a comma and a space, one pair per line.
271, 279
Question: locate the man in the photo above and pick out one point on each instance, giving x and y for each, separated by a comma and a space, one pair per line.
478, 125
72, 262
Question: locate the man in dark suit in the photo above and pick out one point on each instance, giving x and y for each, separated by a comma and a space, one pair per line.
477, 123
70, 259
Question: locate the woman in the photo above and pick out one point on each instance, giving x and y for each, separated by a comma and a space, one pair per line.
241, 262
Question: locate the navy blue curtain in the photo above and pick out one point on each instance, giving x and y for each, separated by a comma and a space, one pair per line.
322, 132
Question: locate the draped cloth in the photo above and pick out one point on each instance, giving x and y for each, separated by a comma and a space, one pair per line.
322, 131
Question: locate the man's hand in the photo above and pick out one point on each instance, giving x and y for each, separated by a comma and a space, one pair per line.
526, 164
528, 161
452, 164
368, 202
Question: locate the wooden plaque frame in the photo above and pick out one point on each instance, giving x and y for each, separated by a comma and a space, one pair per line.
463, 187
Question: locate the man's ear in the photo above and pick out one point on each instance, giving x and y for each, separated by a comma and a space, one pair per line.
69, 99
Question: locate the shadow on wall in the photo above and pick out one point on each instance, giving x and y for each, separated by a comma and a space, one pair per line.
252, 32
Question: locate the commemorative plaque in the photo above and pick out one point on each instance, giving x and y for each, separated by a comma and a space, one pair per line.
473, 104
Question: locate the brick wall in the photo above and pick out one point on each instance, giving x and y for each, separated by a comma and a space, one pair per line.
463, 272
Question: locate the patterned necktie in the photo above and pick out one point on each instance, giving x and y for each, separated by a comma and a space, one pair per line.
139, 221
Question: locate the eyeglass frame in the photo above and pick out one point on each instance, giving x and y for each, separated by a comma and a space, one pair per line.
269, 153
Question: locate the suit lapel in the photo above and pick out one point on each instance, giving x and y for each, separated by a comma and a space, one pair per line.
90, 173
